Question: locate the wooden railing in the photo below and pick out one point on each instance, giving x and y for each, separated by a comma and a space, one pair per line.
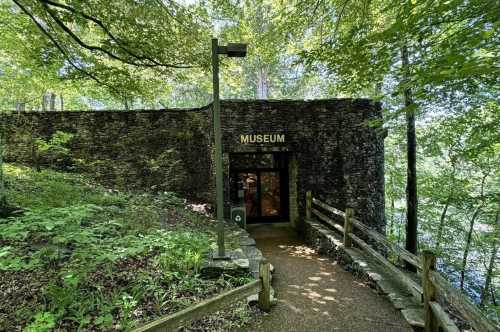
262, 286
432, 283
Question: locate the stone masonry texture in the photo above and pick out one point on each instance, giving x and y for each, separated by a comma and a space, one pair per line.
339, 153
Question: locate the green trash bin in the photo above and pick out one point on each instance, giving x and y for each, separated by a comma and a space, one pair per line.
238, 215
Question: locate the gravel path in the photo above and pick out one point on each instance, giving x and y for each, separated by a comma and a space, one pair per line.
316, 294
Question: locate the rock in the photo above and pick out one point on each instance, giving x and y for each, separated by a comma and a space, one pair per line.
254, 299
414, 317
237, 264
247, 241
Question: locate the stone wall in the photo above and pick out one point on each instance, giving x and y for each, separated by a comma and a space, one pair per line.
335, 154
339, 157
118, 147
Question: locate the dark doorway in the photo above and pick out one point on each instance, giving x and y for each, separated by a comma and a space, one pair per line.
260, 183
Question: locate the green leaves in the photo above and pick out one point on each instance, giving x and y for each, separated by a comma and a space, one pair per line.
90, 258
122, 50
44, 322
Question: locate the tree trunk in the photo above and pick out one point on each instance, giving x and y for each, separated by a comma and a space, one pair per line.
52, 101
489, 274
391, 229
493, 295
3, 194
61, 100
20, 106
467, 245
411, 179
399, 235
445, 208
441, 223
262, 84
469, 234
44, 102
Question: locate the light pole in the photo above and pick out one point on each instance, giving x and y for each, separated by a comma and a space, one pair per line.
231, 50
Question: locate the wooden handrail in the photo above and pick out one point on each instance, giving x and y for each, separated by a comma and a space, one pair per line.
462, 303
434, 284
443, 320
428, 265
172, 322
401, 252
410, 284
327, 220
328, 207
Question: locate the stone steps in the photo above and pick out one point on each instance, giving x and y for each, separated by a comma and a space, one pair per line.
415, 317
254, 256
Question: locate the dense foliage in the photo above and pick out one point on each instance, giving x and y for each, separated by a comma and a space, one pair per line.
83, 257
435, 61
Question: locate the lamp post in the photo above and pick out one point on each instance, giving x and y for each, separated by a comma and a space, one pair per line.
231, 50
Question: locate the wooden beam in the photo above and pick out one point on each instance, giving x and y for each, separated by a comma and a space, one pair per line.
349, 214
328, 220
461, 303
265, 290
309, 200
429, 264
409, 283
199, 310
328, 207
401, 252
443, 319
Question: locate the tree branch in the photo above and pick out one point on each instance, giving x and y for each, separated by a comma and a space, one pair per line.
339, 18
61, 49
153, 63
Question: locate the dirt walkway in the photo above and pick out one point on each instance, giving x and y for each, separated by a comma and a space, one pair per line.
316, 294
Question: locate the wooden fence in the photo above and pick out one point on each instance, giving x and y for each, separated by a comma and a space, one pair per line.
262, 286
432, 287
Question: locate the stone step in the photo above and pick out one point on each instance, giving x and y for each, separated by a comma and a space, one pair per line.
414, 316
237, 264
254, 256
247, 241
403, 302
390, 288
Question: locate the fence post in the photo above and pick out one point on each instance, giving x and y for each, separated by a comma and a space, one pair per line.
349, 214
265, 290
309, 199
429, 290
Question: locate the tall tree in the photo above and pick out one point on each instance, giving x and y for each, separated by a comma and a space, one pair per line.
490, 270
411, 156
419, 50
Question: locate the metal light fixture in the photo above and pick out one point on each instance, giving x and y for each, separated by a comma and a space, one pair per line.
234, 50
231, 50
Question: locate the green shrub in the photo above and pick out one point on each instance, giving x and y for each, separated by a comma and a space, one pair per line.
109, 261
167, 172
54, 152
44, 322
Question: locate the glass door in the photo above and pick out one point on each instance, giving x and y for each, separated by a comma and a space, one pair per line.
262, 194
250, 193
270, 199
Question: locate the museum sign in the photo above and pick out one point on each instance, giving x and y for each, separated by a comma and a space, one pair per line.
262, 138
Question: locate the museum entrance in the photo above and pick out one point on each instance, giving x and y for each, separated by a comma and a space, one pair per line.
259, 182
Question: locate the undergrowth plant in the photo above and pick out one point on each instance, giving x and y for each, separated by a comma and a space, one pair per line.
53, 151
107, 259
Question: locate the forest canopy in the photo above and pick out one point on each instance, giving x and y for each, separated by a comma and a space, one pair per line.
434, 65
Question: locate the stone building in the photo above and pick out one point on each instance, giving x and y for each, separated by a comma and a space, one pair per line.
274, 151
